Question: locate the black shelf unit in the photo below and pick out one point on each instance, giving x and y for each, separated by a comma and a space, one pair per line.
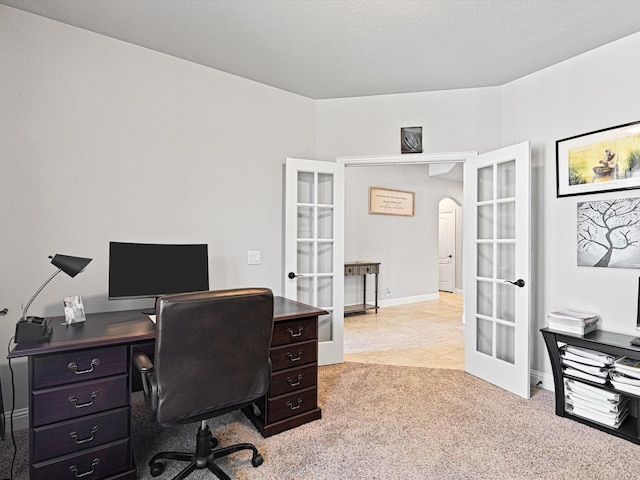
610, 343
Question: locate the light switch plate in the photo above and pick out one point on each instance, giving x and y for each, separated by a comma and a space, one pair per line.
253, 257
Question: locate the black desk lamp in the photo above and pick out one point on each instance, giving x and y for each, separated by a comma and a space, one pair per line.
38, 329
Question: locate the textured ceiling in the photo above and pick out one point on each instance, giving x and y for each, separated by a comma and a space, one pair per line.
332, 49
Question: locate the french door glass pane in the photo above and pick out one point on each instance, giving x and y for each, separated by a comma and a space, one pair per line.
325, 222
305, 290
485, 222
305, 187
506, 180
506, 220
485, 298
325, 292
485, 184
325, 328
325, 257
485, 260
505, 343
305, 257
305, 222
325, 188
505, 268
506, 302
484, 337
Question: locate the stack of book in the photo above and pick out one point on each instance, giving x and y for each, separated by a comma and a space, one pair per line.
625, 375
601, 406
572, 322
586, 364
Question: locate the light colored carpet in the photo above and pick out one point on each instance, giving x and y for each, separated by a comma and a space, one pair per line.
383, 422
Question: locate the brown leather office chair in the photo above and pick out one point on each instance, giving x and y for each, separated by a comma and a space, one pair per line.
211, 357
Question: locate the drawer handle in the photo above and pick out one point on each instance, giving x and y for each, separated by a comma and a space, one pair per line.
296, 358
74, 400
73, 366
295, 407
300, 329
74, 436
294, 384
73, 469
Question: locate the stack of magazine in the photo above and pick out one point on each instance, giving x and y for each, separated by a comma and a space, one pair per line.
625, 375
596, 404
572, 322
586, 364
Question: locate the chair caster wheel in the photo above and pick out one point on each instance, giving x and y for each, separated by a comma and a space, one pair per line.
257, 460
156, 469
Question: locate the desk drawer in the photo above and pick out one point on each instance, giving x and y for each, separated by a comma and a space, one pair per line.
75, 435
297, 330
293, 379
286, 406
79, 399
289, 356
93, 464
78, 366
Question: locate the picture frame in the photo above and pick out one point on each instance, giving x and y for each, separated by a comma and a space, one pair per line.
411, 140
605, 160
384, 201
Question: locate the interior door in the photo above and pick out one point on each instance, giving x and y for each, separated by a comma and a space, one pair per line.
446, 250
314, 247
496, 280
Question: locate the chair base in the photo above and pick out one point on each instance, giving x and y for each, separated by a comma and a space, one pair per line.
204, 457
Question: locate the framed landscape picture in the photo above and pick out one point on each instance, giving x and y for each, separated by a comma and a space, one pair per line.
601, 161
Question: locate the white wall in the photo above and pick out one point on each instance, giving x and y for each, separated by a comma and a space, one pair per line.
596, 90
407, 247
102, 140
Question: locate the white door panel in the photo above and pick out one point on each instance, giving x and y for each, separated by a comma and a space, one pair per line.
496, 252
314, 247
446, 250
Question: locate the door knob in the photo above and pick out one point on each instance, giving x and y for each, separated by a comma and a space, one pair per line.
293, 275
517, 283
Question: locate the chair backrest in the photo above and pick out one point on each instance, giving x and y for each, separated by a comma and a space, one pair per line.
212, 352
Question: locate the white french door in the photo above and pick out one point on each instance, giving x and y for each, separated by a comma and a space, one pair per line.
314, 247
496, 255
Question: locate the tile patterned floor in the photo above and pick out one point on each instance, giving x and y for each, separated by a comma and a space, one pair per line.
423, 334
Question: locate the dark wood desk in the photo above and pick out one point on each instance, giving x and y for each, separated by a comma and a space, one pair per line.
80, 383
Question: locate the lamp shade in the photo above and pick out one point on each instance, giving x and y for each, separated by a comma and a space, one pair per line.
70, 265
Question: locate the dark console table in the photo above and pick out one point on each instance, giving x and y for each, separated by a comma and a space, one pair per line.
364, 269
80, 383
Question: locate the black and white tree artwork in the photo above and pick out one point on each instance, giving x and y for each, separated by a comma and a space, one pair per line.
609, 233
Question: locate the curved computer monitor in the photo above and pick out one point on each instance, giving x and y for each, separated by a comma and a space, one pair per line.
146, 270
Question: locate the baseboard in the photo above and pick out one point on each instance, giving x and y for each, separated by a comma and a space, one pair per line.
20, 419
542, 380
392, 302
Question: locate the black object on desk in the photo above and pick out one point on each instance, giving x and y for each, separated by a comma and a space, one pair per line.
33, 329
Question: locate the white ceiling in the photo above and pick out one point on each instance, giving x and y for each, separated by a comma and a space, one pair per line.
340, 48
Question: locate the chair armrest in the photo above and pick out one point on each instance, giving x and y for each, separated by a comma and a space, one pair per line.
144, 365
